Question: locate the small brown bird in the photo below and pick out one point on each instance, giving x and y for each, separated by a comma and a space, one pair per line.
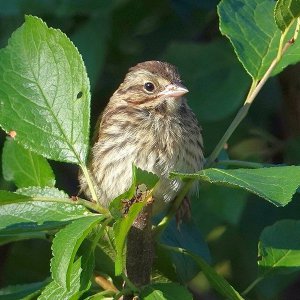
146, 122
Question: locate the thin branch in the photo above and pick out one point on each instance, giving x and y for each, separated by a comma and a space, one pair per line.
89, 182
129, 284
254, 90
77, 201
252, 285
241, 164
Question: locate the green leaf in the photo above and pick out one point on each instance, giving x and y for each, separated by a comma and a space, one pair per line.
216, 280
165, 291
20, 291
105, 256
279, 248
163, 263
115, 206
25, 168
87, 254
286, 11
276, 184
188, 237
121, 229
252, 31
251, 28
54, 291
44, 92
65, 245
212, 96
7, 197
46, 192
139, 176
34, 218
144, 177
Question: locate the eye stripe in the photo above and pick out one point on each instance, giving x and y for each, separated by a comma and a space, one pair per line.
142, 101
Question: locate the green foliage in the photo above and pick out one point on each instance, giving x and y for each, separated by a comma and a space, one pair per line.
188, 237
138, 177
218, 282
277, 184
286, 12
245, 21
22, 291
163, 291
65, 245
45, 101
123, 223
254, 35
25, 217
8, 198
24, 167
121, 229
279, 248
55, 291
43, 79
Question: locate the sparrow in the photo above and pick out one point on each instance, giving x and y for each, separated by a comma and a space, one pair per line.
147, 122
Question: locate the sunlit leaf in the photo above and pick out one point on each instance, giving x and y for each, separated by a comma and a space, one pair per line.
44, 92
54, 291
165, 291
23, 218
279, 248
65, 245
121, 229
251, 28
286, 11
275, 184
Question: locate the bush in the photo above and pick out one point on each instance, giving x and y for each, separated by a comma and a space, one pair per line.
45, 111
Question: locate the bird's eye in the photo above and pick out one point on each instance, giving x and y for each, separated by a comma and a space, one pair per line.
149, 87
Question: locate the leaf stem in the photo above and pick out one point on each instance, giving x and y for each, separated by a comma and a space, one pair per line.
123, 292
297, 29
100, 232
240, 163
217, 281
252, 285
255, 88
89, 182
128, 282
78, 201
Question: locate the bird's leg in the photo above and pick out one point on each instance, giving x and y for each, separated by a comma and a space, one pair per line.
184, 211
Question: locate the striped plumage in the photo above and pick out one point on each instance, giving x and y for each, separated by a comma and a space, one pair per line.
154, 129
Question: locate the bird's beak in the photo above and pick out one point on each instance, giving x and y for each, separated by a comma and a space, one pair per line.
174, 90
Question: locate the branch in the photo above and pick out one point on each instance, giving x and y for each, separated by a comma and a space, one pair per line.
89, 182
77, 201
140, 250
254, 90
241, 164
